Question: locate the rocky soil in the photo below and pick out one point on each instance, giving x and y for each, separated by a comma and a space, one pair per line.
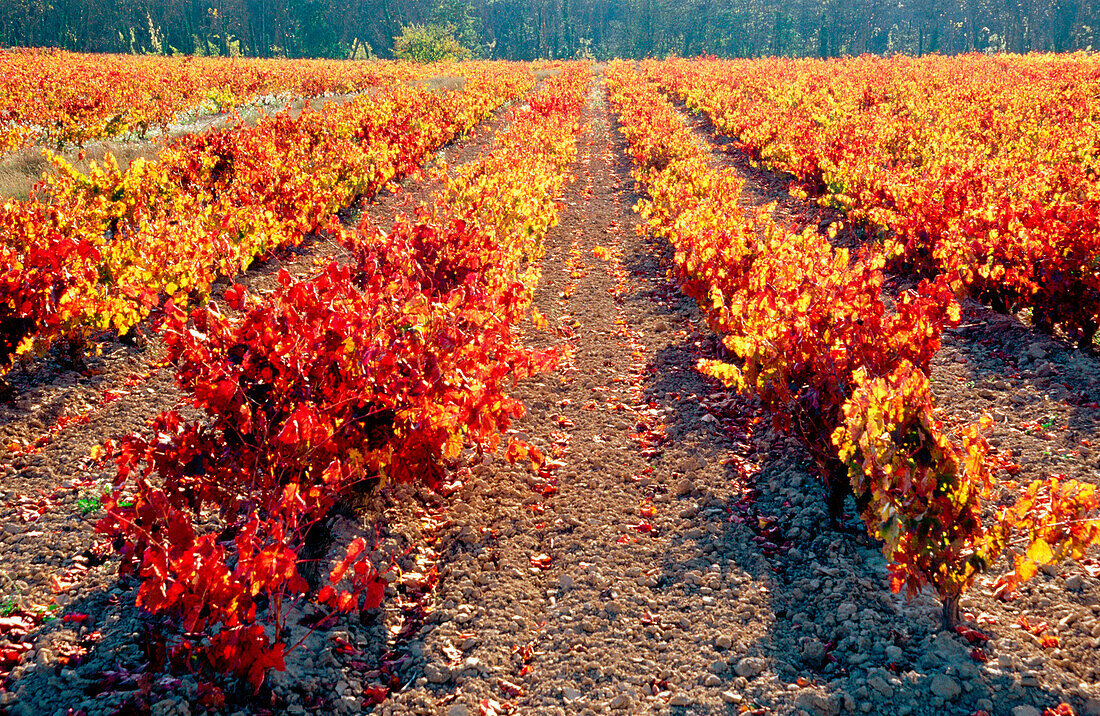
673, 559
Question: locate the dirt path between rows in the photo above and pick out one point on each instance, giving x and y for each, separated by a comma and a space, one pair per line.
610, 584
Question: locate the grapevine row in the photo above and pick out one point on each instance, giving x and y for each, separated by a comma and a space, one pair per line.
382, 370
983, 169
49, 96
807, 328
102, 251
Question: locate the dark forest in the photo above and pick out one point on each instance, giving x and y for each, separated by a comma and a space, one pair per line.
530, 29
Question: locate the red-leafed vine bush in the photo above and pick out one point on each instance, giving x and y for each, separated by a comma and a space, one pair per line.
384, 370
808, 330
979, 168
117, 243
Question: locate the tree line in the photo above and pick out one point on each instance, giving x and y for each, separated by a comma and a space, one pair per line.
532, 29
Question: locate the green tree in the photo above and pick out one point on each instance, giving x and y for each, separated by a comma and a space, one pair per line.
430, 42
463, 20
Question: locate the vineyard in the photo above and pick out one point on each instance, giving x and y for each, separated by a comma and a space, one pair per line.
680, 386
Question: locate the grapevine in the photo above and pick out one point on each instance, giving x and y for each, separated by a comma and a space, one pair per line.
382, 371
813, 338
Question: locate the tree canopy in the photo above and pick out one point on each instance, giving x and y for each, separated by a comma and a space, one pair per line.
429, 43
530, 29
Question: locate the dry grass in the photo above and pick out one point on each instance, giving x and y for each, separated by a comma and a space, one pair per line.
21, 170
440, 83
